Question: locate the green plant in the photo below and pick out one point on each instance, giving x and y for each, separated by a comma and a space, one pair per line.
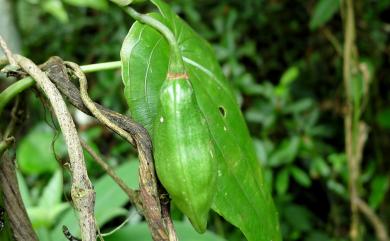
283, 64
214, 139
236, 188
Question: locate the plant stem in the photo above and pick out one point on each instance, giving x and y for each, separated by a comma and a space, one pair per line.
4, 144
377, 224
13, 90
101, 66
350, 120
176, 64
16, 88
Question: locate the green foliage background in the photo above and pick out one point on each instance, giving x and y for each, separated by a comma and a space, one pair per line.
283, 59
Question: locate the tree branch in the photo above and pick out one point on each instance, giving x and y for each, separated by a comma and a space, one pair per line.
148, 180
17, 215
350, 124
7, 52
57, 73
82, 191
379, 227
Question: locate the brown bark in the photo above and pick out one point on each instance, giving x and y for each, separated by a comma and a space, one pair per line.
17, 215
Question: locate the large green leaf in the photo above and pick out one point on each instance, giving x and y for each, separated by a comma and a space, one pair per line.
242, 197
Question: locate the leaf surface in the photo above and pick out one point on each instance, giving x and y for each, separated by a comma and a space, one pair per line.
52, 192
242, 197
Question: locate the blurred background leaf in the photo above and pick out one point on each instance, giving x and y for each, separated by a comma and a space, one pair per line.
35, 155
323, 12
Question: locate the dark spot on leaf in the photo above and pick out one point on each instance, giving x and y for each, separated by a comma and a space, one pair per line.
222, 111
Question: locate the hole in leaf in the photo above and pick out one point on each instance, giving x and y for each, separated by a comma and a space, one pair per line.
222, 111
